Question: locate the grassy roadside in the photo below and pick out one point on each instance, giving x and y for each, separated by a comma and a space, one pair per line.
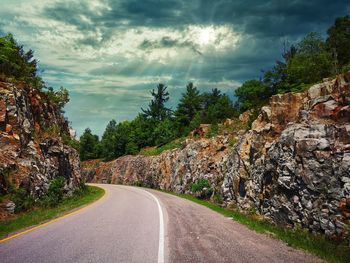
300, 239
40, 214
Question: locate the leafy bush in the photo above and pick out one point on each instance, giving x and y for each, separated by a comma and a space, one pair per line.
22, 199
55, 193
59, 97
81, 190
67, 140
200, 185
233, 141
217, 198
346, 68
6, 181
202, 189
54, 131
213, 130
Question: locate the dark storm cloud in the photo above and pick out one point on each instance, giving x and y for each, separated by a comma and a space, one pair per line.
106, 78
167, 42
274, 17
71, 13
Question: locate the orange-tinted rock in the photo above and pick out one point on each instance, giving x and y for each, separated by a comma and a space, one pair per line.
285, 108
292, 166
244, 117
8, 128
16, 136
30, 161
201, 131
344, 207
2, 113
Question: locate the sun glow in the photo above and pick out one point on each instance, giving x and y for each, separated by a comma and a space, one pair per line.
209, 37
206, 36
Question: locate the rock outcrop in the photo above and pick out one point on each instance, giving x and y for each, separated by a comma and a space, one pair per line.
31, 149
292, 167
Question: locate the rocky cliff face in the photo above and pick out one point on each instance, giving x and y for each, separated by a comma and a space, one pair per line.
31, 148
292, 167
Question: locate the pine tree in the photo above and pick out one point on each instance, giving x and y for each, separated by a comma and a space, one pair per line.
188, 106
156, 108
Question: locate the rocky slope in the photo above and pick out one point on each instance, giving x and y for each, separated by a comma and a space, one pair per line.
292, 167
31, 148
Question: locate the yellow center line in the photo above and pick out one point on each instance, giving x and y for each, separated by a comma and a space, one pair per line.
106, 194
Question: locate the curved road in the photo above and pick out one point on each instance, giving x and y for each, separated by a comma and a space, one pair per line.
138, 225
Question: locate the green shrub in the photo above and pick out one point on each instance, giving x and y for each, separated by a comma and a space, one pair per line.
346, 68
82, 184
217, 198
213, 130
67, 140
22, 199
200, 185
81, 190
6, 181
233, 141
55, 193
59, 97
54, 131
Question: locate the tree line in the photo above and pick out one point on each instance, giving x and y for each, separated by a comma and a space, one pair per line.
157, 125
303, 64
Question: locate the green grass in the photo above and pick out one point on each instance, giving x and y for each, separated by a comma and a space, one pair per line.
176, 144
236, 126
212, 131
301, 239
40, 214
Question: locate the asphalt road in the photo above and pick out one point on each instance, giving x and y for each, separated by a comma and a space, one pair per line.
136, 225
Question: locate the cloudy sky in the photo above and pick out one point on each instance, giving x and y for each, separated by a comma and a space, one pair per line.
109, 53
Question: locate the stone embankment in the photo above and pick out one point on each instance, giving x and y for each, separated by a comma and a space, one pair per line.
32, 152
292, 167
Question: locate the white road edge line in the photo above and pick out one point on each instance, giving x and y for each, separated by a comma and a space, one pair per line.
161, 230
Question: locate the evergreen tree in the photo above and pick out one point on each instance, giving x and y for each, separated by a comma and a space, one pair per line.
156, 108
188, 106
